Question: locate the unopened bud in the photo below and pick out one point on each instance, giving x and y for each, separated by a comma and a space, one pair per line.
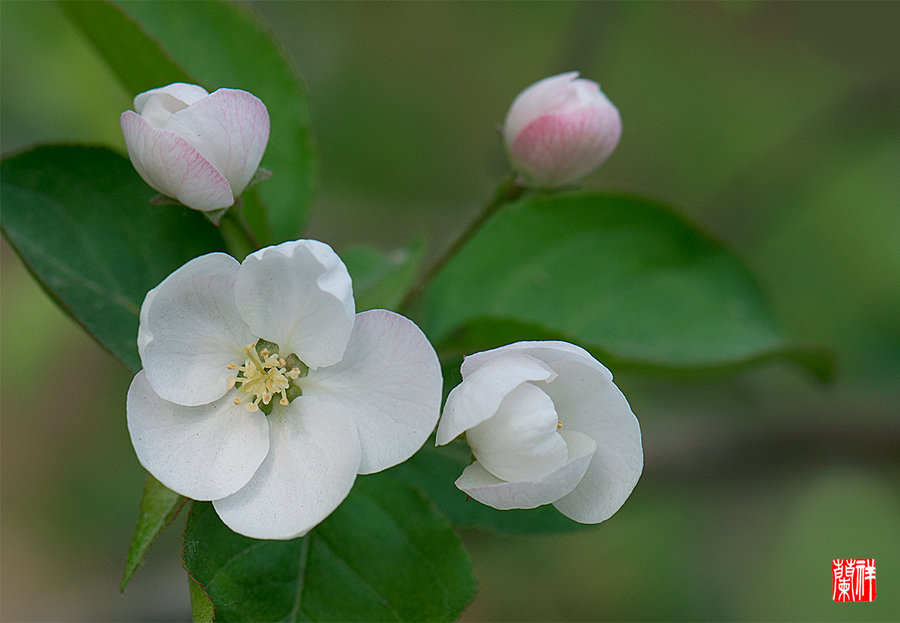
202, 149
559, 130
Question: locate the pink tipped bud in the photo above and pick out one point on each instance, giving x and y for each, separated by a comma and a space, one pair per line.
559, 130
200, 148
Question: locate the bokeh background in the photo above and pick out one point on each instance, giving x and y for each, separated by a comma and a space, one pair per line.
774, 126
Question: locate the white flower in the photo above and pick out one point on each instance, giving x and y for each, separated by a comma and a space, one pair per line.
546, 425
200, 148
224, 343
559, 130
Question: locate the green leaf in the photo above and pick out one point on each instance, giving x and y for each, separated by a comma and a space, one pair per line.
381, 279
81, 220
434, 469
624, 277
385, 554
223, 44
137, 60
159, 506
202, 609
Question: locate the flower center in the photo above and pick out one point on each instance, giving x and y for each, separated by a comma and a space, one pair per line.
266, 374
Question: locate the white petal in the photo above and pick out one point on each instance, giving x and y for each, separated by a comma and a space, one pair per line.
187, 93
591, 404
230, 128
190, 331
299, 295
312, 464
520, 441
535, 101
204, 452
160, 107
389, 382
483, 486
561, 148
548, 352
483, 389
174, 167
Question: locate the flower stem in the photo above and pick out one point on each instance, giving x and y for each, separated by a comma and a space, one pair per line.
507, 191
239, 239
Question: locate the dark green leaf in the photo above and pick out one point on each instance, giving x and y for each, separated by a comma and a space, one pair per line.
136, 59
385, 554
223, 44
381, 279
81, 220
486, 333
624, 277
433, 470
159, 506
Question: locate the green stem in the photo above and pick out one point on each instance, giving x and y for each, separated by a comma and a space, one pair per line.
507, 192
239, 239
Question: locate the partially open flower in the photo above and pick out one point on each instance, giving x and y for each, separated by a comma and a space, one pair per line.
264, 392
200, 148
546, 425
559, 130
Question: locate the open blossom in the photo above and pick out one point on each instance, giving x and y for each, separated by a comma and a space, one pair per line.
546, 425
559, 130
264, 392
200, 148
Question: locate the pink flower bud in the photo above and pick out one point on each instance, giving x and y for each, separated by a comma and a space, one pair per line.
559, 130
200, 148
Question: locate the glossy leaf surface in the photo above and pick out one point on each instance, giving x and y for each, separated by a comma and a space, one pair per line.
626, 278
384, 555
136, 59
82, 221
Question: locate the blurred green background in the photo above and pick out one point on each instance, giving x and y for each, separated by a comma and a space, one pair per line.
774, 126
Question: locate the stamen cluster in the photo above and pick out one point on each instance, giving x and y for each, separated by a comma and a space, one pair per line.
264, 375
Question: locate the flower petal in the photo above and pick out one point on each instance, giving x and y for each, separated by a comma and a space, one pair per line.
521, 440
172, 166
593, 405
558, 149
548, 352
483, 486
484, 387
204, 452
160, 107
312, 464
535, 101
299, 295
230, 128
187, 93
389, 382
191, 330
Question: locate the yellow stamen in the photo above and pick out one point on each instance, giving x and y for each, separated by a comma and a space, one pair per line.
263, 376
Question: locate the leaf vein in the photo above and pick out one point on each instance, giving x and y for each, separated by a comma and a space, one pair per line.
334, 551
